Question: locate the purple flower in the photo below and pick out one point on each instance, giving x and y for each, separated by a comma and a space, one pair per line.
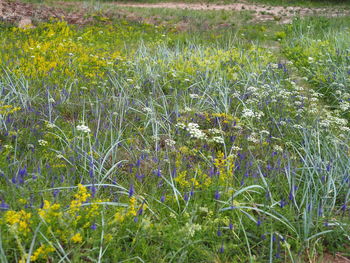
343, 207
4, 206
217, 195
186, 197
93, 226
131, 190
258, 223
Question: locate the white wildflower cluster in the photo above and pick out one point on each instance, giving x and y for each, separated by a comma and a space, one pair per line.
248, 113
253, 138
195, 132
344, 105
215, 131
191, 229
147, 110
50, 125
42, 142
194, 96
218, 139
181, 125
83, 128
277, 148
170, 142
236, 148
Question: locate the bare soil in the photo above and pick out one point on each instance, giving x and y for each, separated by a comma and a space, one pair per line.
23, 14
261, 12
74, 12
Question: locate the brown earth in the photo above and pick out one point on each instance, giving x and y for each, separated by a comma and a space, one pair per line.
23, 14
261, 12
75, 12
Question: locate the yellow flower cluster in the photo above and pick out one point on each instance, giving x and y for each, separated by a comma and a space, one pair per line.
224, 165
42, 252
77, 238
80, 198
198, 180
54, 49
49, 212
20, 220
8, 109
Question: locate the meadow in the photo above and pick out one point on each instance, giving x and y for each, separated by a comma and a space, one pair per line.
126, 141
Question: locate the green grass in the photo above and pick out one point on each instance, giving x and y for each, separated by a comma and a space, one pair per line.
122, 141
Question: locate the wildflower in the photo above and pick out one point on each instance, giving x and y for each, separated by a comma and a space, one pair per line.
20, 219
194, 96
42, 142
191, 229
170, 143
42, 252
77, 238
147, 110
83, 128
195, 132
4, 206
218, 139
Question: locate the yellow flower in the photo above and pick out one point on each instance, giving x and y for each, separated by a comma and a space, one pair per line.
42, 252
20, 219
77, 238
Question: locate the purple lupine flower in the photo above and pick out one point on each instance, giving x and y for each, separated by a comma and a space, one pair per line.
186, 197
258, 223
162, 199
230, 226
55, 193
131, 190
217, 195
222, 250
93, 226
219, 232
283, 203
4, 206
343, 207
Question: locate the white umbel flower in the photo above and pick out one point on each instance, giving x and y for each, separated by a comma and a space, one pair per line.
83, 128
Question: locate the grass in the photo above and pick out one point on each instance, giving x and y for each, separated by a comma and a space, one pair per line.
123, 141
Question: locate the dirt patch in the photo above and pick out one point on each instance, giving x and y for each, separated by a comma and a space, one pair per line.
261, 12
328, 258
23, 14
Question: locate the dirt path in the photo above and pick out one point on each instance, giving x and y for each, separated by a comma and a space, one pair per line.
261, 12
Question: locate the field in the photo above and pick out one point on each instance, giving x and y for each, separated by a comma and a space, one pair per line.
175, 135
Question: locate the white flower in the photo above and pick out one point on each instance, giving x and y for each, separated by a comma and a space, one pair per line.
83, 128
215, 131
194, 96
170, 142
147, 110
277, 148
42, 142
195, 132
344, 106
218, 139
191, 229
180, 125
248, 113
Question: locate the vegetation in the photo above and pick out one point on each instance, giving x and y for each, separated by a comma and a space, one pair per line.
128, 142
